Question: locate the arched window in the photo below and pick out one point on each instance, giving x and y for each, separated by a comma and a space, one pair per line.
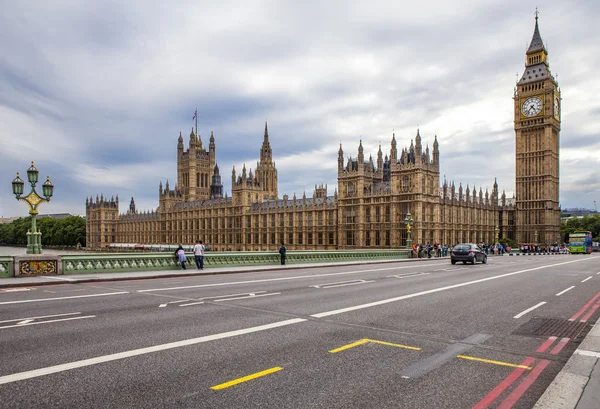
197, 179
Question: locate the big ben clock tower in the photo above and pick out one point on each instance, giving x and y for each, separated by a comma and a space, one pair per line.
537, 129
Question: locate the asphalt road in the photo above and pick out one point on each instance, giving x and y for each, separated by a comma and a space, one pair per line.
408, 335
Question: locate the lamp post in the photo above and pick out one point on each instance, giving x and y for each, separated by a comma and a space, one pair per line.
497, 233
535, 235
34, 237
409, 222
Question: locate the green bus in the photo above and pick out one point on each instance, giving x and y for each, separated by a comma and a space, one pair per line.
580, 242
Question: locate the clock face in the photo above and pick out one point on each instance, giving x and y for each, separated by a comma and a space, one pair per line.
532, 106
556, 109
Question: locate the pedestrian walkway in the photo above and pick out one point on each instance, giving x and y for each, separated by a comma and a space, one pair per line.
33, 281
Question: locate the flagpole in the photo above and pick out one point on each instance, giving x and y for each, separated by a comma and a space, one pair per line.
196, 120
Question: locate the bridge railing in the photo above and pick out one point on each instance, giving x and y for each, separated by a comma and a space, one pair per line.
123, 262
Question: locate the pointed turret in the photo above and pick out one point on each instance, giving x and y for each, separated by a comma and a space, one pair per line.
266, 154
340, 159
536, 44
418, 146
193, 140
361, 155
180, 143
132, 206
216, 187
436, 151
233, 176
536, 64
394, 150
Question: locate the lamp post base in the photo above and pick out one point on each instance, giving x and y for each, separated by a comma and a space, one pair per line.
34, 242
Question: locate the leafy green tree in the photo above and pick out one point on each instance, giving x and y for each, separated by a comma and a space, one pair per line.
586, 223
55, 232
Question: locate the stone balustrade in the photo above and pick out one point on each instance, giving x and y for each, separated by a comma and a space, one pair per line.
123, 262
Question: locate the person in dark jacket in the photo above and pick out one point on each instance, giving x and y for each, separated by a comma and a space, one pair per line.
282, 251
181, 258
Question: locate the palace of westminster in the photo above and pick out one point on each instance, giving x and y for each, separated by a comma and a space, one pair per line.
372, 198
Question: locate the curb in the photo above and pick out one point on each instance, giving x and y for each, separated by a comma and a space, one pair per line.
180, 273
572, 387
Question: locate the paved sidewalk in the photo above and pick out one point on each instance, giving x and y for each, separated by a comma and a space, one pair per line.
25, 281
577, 386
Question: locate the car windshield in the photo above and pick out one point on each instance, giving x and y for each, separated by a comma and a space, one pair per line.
462, 247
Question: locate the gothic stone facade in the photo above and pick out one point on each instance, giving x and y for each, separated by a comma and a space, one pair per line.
371, 201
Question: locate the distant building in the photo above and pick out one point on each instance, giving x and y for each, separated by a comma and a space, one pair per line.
372, 198
55, 215
6, 220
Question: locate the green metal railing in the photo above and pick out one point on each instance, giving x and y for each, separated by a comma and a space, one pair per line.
120, 262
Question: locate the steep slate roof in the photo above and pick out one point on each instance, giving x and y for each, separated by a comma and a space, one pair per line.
536, 41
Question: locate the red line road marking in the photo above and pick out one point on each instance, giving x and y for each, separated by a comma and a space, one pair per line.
498, 390
585, 307
516, 374
523, 386
546, 345
591, 312
561, 344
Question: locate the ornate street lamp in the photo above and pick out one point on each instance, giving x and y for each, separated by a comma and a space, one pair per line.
34, 237
497, 233
409, 222
535, 234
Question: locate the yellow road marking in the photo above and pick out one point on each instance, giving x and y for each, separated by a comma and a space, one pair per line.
354, 344
245, 378
365, 341
489, 361
394, 345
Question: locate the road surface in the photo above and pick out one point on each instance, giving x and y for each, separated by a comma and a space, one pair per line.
413, 335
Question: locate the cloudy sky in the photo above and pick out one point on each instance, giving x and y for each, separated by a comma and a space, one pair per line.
96, 92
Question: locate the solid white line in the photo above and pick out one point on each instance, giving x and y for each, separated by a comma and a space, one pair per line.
326, 286
135, 352
285, 278
251, 296
192, 303
231, 295
62, 298
564, 291
41, 316
410, 275
162, 305
589, 278
519, 315
436, 290
340, 284
47, 322
24, 322
587, 353
14, 290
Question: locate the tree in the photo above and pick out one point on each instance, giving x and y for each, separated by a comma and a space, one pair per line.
586, 223
55, 232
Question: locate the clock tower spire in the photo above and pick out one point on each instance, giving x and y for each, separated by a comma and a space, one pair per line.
537, 128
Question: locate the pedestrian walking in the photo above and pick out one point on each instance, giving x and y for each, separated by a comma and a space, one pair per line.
282, 253
199, 254
180, 253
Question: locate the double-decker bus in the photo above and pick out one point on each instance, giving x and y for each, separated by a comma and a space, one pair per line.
580, 242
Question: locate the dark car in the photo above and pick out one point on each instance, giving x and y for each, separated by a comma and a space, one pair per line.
467, 252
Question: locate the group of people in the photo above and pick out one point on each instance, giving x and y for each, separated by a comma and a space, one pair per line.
429, 250
198, 255
532, 248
